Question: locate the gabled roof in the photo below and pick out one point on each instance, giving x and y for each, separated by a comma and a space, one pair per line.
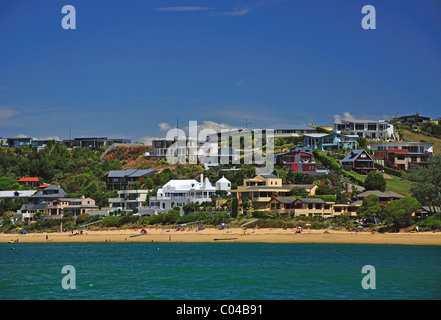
355, 154
386, 194
42, 193
304, 200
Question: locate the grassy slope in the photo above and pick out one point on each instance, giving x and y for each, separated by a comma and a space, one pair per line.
411, 136
393, 183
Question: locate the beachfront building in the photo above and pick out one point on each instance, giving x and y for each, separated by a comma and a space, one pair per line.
359, 161
260, 190
330, 141
371, 129
128, 200
400, 155
311, 207
294, 207
121, 179
178, 193
55, 208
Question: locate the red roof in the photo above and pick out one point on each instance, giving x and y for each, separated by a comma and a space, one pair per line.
44, 186
28, 179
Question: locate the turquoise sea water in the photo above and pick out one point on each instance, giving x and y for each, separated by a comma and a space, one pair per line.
219, 271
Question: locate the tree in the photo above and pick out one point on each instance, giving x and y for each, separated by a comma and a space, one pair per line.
370, 207
234, 207
299, 192
426, 183
375, 181
399, 212
362, 142
325, 189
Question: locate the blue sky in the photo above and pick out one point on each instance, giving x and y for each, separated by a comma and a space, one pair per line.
131, 68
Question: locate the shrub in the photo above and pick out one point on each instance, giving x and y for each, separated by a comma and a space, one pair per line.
108, 222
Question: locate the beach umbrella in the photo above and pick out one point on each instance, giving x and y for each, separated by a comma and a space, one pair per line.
360, 227
308, 224
331, 227
223, 224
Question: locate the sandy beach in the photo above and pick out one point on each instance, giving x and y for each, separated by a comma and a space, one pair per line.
231, 235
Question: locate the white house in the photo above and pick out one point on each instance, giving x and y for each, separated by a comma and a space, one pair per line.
181, 192
372, 129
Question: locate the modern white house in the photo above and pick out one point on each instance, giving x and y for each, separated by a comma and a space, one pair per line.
177, 193
128, 200
371, 129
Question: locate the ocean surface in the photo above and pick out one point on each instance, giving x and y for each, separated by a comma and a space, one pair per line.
218, 271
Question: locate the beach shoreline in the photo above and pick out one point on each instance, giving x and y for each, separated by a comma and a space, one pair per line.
265, 235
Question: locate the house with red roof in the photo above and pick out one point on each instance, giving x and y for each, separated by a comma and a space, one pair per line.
32, 182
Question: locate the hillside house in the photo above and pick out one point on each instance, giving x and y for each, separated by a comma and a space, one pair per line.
359, 161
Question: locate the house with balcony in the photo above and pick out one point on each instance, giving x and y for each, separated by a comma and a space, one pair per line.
371, 129
55, 208
178, 193
260, 190
293, 207
93, 142
128, 200
359, 161
401, 155
121, 179
298, 159
330, 141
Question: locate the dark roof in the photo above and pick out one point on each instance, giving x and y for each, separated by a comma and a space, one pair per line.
304, 200
31, 206
132, 173
269, 176
286, 199
41, 193
355, 154
386, 194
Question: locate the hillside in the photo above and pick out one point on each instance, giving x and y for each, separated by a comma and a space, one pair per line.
412, 136
131, 157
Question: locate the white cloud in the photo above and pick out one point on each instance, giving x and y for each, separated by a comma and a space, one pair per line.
164, 126
6, 113
349, 117
345, 116
147, 140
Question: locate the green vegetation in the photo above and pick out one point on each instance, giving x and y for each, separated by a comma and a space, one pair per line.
375, 181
